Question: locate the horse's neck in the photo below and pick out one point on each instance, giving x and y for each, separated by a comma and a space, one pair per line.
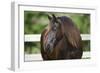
62, 44
60, 39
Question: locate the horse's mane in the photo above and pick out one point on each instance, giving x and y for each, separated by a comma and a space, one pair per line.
70, 31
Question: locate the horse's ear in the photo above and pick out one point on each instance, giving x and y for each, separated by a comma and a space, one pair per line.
49, 17
54, 17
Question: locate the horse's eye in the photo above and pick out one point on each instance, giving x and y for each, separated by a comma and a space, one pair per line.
56, 24
54, 28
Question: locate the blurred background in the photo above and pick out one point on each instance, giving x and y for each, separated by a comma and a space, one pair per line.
35, 22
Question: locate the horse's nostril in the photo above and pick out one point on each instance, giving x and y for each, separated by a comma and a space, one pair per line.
48, 48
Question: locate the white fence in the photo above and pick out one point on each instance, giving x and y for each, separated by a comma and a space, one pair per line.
37, 57
36, 38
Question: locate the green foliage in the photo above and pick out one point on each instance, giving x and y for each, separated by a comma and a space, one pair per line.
82, 21
35, 22
32, 47
86, 45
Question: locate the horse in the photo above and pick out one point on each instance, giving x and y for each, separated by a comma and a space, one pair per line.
61, 39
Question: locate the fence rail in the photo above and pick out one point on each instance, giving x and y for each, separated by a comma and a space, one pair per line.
36, 38
35, 57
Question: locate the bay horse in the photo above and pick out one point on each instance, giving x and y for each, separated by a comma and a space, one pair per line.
61, 39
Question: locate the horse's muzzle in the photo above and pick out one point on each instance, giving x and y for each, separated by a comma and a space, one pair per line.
48, 49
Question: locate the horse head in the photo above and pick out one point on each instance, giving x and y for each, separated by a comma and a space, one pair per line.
53, 33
